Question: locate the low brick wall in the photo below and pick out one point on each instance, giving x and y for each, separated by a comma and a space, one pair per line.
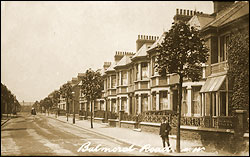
99, 120
128, 124
113, 122
82, 118
150, 127
220, 140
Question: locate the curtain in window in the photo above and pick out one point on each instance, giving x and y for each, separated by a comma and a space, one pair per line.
164, 100
144, 102
124, 104
184, 106
196, 100
124, 78
113, 81
144, 69
154, 101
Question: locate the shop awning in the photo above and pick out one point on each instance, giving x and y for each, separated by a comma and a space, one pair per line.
213, 84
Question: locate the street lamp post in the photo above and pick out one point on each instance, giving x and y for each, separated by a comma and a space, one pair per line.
73, 96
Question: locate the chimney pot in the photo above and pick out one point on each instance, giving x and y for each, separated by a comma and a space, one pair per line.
180, 11
141, 36
191, 12
177, 11
138, 36
184, 12
188, 12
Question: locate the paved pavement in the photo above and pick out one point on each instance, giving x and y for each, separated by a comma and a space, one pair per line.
139, 139
5, 119
29, 135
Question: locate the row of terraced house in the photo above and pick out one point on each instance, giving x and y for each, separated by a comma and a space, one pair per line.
133, 88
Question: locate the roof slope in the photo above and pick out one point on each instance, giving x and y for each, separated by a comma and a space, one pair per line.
124, 61
229, 14
157, 42
142, 51
199, 21
111, 68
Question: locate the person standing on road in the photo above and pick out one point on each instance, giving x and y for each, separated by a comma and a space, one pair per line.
164, 131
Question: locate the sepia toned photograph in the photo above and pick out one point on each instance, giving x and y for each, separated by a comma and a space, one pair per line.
124, 78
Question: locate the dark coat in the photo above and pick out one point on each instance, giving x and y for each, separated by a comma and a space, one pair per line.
164, 129
33, 112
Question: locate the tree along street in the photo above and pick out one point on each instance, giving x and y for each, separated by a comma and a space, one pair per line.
39, 135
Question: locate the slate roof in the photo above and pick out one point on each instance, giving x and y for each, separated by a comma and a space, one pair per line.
235, 11
199, 21
159, 41
111, 68
102, 71
124, 61
142, 51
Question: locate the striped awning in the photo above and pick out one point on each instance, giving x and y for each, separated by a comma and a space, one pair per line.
213, 84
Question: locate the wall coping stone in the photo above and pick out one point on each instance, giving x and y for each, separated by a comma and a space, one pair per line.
206, 129
129, 122
96, 118
113, 120
240, 111
192, 127
149, 123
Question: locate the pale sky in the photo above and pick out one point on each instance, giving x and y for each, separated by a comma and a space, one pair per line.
45, 44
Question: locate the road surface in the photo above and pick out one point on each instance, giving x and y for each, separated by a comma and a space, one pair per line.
39, 135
